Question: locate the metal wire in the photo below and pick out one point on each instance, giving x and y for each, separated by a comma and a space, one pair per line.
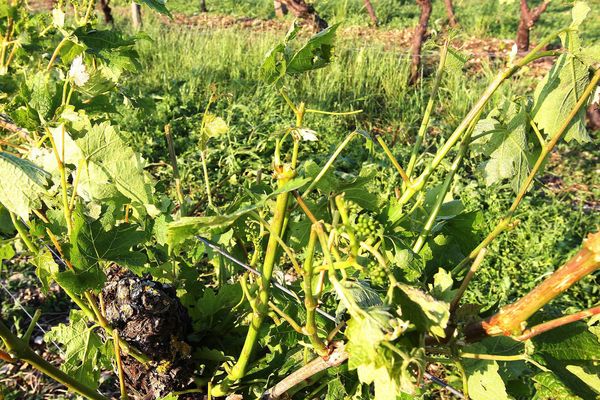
20, 305
255, 272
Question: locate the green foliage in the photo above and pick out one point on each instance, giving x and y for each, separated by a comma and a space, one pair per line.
559, 91
85, 352
105, 204
23, 184
283, 60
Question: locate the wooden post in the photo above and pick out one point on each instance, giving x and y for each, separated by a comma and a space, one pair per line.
136, 15
107, 11
280, 8
306, 12
203, 7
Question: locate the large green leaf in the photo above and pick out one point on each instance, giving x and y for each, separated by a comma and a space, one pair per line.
556, 95
316, 53
90, 244
85, 353
549, 387
23, 184
509, 153
571, 342
484, 380
102, 145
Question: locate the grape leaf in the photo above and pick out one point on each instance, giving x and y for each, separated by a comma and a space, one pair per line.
90, 244
85, 354
572, 342
44, 96
590, 375
556, 95
549, 387
157, 5
102, 145
579, 13
442, 286
508, 151
46, 268
23, 184
316, 53
455, 61
427, 313
484, 381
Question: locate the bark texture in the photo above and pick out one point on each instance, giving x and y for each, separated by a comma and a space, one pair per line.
107, 11
280, 8
510, 319
418, 39
528, 19
306, 12
450, 12
371, 11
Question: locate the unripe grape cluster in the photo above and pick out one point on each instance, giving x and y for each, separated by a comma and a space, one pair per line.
377, 274
367, 227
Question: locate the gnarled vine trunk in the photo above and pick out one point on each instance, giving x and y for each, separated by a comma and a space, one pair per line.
305, 11
528, 19
371, 11
418, 38
280, 8
107, 11
450, 12
203, 7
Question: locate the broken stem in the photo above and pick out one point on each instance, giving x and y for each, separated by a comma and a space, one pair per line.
555, 323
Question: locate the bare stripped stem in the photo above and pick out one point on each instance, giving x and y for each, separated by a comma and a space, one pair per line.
119, 362
295, 326
419, 183
421, 240
173, 159
509, 320
555, 323
27, 335
310, 301
63, 178
329, 163
394, 161
463, 286
319, 364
